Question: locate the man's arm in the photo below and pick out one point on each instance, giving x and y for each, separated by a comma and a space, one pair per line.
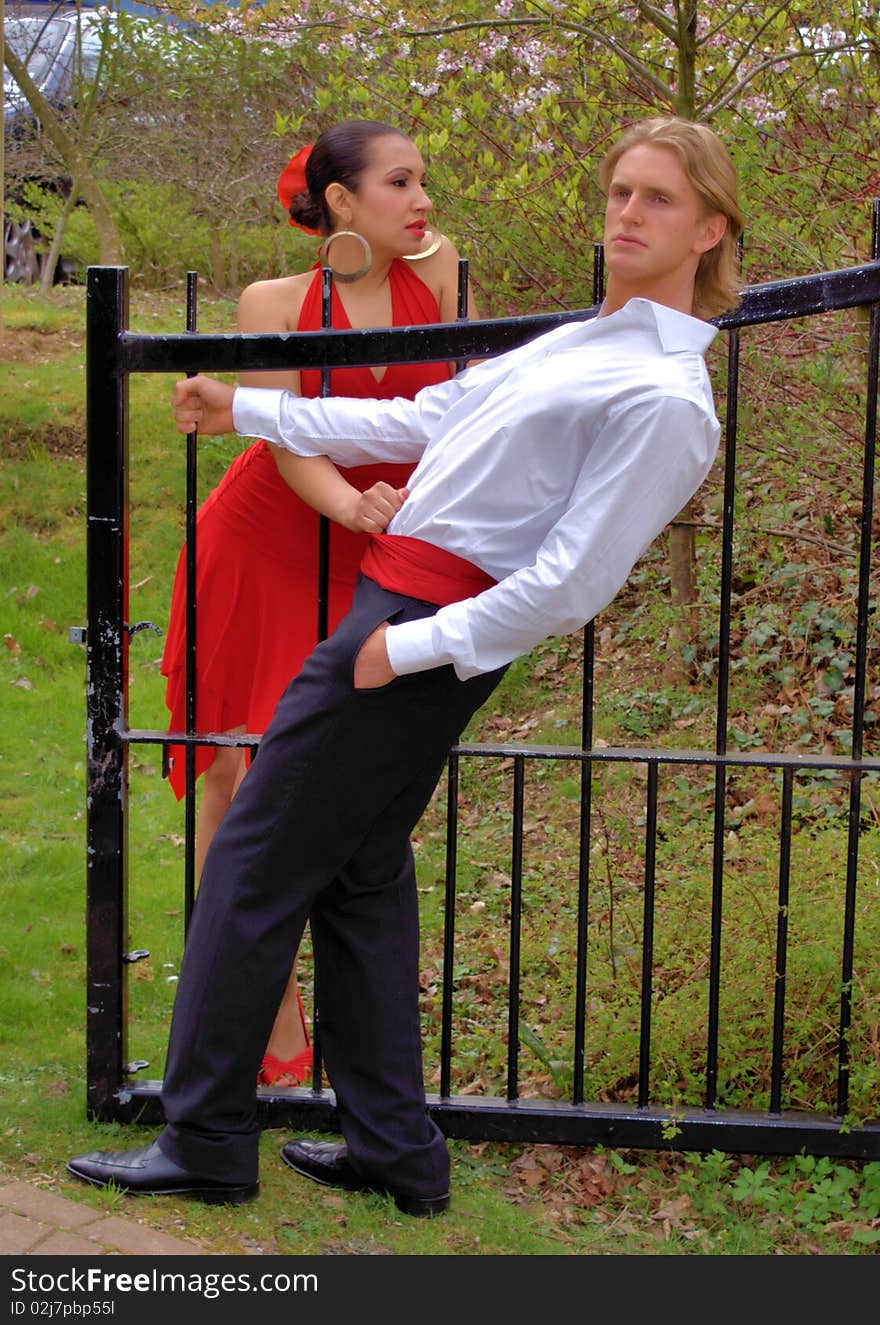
203, 403
208, 405
349, 431
636, 477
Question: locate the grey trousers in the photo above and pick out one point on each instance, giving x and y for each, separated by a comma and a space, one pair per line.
319, 830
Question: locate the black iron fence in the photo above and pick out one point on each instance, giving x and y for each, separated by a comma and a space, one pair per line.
777, 1123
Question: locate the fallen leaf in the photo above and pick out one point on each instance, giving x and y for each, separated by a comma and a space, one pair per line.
525, 1161
674, 1210
549, 1157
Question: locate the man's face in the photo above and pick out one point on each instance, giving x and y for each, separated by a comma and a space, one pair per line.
656, 228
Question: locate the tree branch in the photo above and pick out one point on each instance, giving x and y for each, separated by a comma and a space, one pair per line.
785, 57
724, 23
635, 65
660, 20
48, 118
74, 160
793, 534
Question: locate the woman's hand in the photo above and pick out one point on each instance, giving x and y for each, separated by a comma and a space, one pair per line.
372, 510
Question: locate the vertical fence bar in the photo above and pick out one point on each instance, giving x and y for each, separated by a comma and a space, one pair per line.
322, 625
863, 617
598, 273
584, 837
452, 771
515, 929
449, 923
191, 682
462, 304
781, 966
323, 522
586, 801
106, 687
721, 717
648, 937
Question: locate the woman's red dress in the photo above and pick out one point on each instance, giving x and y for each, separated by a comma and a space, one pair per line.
257, 554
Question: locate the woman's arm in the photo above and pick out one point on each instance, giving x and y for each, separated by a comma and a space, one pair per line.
275, 306
319, 483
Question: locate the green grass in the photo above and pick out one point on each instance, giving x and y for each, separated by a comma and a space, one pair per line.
508, 1200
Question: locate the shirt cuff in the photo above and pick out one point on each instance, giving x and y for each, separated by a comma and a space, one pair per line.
410, 647
256, 411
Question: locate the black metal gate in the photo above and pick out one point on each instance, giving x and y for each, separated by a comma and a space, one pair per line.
114, 1092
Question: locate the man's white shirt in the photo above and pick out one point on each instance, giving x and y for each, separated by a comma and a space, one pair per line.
551, 467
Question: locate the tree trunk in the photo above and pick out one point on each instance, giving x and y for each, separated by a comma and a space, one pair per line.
47, 274
89, 189
218, 267
682, 543
683, 591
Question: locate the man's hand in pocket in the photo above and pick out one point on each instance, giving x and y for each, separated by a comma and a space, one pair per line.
371, 667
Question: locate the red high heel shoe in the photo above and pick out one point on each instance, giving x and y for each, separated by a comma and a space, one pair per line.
292, 1071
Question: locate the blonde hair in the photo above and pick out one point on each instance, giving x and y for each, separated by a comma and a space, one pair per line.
709, 167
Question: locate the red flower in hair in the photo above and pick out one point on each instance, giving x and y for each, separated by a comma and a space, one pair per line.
292, 181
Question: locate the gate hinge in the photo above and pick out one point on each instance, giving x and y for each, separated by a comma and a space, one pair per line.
141, 625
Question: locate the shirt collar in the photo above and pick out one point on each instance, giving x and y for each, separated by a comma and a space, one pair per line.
677, 331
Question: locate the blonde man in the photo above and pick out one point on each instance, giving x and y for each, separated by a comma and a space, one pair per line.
541, 476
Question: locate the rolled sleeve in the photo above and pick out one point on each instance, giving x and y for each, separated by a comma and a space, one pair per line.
411, 647
255, 411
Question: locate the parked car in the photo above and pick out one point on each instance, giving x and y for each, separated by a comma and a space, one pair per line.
60, 44
60, 54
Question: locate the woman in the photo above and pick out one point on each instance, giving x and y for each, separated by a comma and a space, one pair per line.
361, 187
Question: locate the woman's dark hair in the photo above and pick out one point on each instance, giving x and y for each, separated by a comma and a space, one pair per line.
340, 155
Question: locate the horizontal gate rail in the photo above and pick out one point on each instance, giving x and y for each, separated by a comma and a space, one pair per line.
113, 1090
773, 301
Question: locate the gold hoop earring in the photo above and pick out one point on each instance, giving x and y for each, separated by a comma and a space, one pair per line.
346, 277
434, 242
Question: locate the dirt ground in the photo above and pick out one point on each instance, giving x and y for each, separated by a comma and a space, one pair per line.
28, 345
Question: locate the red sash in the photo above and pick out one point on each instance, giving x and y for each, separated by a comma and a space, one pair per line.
421, 570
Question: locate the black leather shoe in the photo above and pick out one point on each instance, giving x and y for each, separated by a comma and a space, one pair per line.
148, 1172
327, 1162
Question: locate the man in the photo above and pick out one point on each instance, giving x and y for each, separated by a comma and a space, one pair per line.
542, 476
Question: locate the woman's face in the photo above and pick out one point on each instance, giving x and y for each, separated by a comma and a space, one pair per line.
390, 206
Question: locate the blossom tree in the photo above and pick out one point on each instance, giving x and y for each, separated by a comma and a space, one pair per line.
513, 108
